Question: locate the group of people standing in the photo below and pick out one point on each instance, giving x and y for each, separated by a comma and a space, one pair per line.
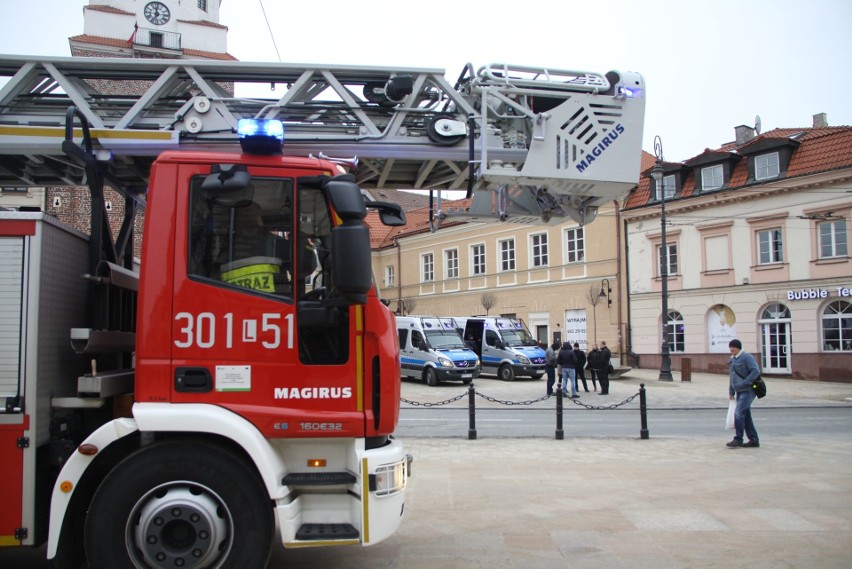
570, 363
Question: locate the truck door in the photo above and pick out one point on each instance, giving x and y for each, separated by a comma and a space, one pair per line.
244, 263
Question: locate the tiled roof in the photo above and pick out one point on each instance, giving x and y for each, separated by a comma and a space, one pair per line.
114, 42
408, 200
110, 9
417, 221
204, 23
819, 149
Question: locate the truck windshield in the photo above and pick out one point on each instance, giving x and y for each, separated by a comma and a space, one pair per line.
441, 340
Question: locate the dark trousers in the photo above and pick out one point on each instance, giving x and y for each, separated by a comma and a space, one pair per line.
551, 378
594, 375
581, 376
603, 377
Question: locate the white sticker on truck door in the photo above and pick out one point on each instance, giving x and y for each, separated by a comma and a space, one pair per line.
233, 378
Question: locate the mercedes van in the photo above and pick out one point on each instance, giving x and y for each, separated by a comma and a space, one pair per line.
433, 351
504, 345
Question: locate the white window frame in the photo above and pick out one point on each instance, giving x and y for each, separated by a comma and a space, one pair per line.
389, 276
834, 242
770, 246
451, 264
575, 245
506, 251
671, 258
767, 166
427, 268
712, 177
677, 341
835, 317
539, 250
477, 259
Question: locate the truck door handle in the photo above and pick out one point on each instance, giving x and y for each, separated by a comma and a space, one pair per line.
193, 379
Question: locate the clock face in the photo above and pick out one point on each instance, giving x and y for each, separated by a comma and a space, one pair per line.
157, 13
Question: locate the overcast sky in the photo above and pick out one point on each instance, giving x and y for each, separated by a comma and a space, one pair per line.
708, 66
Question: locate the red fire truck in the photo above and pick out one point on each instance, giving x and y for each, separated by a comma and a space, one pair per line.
246, 379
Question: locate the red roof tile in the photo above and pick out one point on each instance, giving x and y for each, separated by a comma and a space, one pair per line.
114, 42
105, 8
417, 221
819, 150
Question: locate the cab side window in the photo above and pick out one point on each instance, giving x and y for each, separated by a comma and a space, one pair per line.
417, 339
244, 239
491, 338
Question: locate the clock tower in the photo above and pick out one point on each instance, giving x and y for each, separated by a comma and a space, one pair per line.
180, 29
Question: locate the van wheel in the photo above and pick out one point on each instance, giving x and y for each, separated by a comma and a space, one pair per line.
537, 376
431, 377
506, 373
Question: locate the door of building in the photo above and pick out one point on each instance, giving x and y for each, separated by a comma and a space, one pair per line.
776, 340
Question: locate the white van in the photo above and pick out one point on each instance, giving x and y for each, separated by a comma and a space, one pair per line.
433, 351
504, 345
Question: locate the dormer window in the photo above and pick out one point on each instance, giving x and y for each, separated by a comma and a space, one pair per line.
712, 177
202, 5
669, 186
766, 166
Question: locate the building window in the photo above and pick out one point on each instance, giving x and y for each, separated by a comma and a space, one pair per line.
766, 166
427, 268
667, 261
675, 332
451, 262
202, 5
507, 255
769, 247
832, 239
539, 249
574, 245
477, 254
712, 178
669, 187
389, 276
837, 327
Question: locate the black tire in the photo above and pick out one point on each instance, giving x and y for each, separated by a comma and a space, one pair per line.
430, 376
196, 501
506, 373
537, 376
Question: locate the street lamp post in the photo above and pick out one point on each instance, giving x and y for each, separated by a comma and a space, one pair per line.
657, 175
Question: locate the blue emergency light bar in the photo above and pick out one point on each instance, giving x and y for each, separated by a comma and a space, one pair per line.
260, 136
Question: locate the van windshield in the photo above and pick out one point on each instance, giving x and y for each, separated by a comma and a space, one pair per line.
444, 340
518, 337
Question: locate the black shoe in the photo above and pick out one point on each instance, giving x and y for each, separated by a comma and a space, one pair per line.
751, 444
734, 444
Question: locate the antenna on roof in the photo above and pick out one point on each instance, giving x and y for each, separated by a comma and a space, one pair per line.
757, 124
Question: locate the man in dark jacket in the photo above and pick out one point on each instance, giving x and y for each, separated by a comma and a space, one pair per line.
604, 356
568, 361
550, 366
579, 373
743, 371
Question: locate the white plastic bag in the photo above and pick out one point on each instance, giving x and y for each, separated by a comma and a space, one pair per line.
729, 422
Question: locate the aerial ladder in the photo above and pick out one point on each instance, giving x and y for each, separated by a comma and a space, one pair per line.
527, 144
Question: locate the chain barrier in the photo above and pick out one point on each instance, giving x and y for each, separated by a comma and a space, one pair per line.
472, 393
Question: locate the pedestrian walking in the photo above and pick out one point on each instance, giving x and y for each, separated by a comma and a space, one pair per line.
566, 359
742, 370
579, 374
550, 365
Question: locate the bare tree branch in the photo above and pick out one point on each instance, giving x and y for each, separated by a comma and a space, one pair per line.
488, 301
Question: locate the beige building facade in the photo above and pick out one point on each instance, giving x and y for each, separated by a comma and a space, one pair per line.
561, 280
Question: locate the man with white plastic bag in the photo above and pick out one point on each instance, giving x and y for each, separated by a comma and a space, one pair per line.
729, 422
743, 371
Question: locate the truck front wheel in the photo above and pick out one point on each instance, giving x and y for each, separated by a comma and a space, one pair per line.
180, 504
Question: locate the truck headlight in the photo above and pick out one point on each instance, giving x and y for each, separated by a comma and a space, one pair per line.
388, 479
445, 362
523, 359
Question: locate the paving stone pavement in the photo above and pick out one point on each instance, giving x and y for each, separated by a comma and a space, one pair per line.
600, 503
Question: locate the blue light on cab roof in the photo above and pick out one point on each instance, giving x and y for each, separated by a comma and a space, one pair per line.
260, 127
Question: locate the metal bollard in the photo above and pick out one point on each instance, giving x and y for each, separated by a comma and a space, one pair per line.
560, 434
643, 413
471, 406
